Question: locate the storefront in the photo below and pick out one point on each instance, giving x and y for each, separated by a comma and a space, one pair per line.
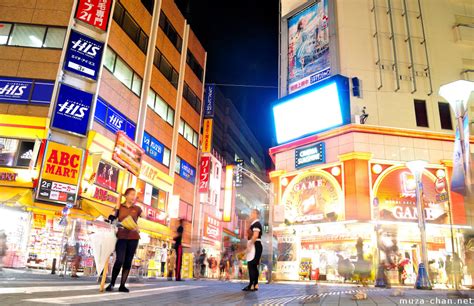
336, 215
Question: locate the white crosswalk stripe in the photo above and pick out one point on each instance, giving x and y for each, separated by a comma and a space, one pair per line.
63, 287
107, 297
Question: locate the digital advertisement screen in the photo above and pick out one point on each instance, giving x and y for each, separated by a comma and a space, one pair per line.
308, 46
317, 108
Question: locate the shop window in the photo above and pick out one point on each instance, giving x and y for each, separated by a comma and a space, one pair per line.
4, 32
54, 38
15, 152
27, 36
445, 116
421, 113
162, 200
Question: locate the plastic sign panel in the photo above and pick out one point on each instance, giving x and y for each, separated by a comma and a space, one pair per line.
316, 109
127, 153
94, 12
228, 193
204, 174
153, 147
239, 178
212, 229
308, 47
59, 177
22, 91
307, 156
72, 110
187, 171
209, 100
83, 55
112, 119
207, 136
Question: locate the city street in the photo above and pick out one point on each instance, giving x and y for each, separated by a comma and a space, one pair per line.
26, 288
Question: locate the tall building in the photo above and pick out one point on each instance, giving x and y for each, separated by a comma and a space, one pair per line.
359, 99
149, 90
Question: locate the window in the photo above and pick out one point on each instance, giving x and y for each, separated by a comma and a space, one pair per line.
148, 4
160, 107
54, 38
192, 98
15, 152
185, 211
28, 35
177, 166
129, 26
151, 99
122, 71
170, 32
162, 64
421, 114
166, 157
170, 116
194, 65
445, 116
188, 133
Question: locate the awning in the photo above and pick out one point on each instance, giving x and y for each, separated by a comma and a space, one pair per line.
16, 196
156, 229
96, 209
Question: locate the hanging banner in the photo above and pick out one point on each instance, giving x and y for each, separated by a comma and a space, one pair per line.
209, 100
308, 46
204, 174
72, 110
207, 136
83, 55
60, 173
128, 153
94, 12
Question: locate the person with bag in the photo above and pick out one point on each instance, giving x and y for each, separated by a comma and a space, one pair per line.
127, 213
254, 250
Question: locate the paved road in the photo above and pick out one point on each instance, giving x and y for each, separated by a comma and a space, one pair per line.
24, 288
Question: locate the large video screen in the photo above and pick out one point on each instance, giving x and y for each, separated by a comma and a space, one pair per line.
308, 46
317, 108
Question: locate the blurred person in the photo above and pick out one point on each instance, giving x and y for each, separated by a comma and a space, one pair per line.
255, 249
171, 264
470, 266
3, 247
163, 259
76, 261
179, 250
127, 240
457, 269
448, 267
197, 267
202, 263
228, 266
222, 266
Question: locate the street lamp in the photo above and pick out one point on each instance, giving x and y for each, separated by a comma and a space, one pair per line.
417, 167
457, 94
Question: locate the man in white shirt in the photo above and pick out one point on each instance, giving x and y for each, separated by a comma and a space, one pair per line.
164, 257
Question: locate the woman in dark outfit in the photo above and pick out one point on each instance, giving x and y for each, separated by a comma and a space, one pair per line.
255, 241
127, 240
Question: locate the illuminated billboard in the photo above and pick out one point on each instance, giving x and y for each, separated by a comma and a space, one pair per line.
317, 108
308, 46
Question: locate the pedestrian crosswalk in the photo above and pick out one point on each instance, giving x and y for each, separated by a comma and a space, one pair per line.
310, 298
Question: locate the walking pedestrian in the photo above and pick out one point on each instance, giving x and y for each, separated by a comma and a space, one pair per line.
179, 250
3, 247
255, 250
127, 240
457, 269
202, 263
164, 257
197, 267
448, 267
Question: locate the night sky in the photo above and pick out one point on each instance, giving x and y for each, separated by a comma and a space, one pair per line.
241, 38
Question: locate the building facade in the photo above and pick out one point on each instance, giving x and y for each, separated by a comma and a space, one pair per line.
343, 192
150, 91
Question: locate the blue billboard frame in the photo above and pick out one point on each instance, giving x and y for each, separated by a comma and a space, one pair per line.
343, 90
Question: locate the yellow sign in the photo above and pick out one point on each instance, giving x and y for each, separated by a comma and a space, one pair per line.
155, 176
207, 136
62, 163
17, 177
39, 221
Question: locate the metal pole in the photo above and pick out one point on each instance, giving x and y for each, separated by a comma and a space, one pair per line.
270, 231
421, 219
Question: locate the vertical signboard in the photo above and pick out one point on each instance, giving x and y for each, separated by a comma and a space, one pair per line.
72, 110
209, 100
83, 55
228, 193
204, 174
59, 176
308, 46
94, 12
239, 164
207, 136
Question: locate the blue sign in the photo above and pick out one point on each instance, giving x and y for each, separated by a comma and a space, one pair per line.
112, 119
83, 55
209, 100
315, 154
72, 110
42, 92
153, 147
15, 90
187, 171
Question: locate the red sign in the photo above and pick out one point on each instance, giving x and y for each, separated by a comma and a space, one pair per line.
94, 12
153, 214
212, 229
204, 173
